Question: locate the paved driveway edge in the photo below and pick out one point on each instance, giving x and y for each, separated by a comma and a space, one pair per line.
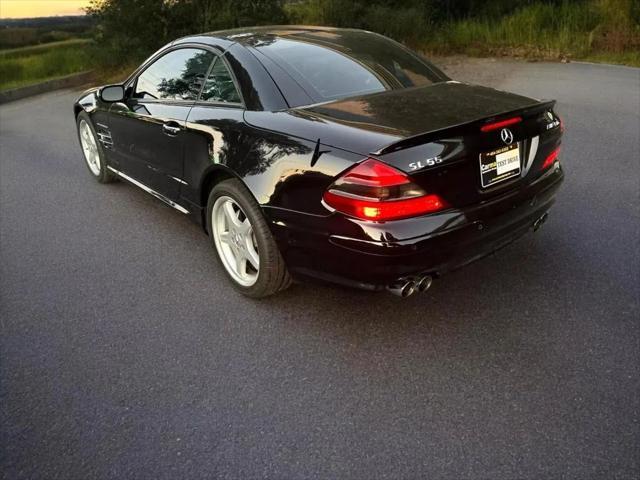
64, 82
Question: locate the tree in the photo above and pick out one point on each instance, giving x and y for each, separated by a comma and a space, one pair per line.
129, 30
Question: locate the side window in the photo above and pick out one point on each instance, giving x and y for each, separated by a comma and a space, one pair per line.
178, 75
219, 86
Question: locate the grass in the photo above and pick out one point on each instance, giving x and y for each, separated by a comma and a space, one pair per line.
115, 75
28, 65
542, 31
545, 27
33, 49
594, 30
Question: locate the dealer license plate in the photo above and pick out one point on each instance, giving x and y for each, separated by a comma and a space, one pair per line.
499, 165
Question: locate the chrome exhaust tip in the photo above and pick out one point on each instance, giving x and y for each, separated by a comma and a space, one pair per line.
402, 288
538, 223
424, 283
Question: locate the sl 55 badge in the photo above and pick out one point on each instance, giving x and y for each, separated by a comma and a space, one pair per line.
429, 162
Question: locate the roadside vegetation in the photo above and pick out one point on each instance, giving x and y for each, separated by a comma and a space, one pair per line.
599, 30
39, 49
22, 32
124, 32
28, 65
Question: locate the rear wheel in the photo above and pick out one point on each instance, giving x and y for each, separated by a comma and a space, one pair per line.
243, 242
92, 150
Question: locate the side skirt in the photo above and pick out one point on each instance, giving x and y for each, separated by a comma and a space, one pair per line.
142, 186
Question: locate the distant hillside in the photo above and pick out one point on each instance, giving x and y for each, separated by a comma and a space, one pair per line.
46, 22
23, 32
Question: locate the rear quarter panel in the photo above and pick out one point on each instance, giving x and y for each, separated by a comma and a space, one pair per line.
276, 167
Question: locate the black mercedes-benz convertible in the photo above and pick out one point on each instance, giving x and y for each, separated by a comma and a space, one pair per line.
328, 153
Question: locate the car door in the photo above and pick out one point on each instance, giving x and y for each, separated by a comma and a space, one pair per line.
147, 129
216, 132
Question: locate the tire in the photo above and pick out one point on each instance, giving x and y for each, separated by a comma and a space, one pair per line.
271, 276
92, 151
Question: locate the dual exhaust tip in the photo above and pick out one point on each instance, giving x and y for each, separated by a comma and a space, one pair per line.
405, 287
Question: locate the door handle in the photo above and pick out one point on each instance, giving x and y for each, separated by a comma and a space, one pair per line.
171, 129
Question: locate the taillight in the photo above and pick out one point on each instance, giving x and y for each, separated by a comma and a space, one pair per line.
373, 190
551, 159
501, 124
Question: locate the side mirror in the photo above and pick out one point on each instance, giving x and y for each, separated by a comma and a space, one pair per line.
112, 93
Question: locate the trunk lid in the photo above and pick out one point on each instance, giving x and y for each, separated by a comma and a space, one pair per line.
413, 111
435, 134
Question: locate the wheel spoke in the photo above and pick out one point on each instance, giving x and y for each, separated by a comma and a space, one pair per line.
224, 237
252, 256
231, 214
250, 248
245, 227
241, 264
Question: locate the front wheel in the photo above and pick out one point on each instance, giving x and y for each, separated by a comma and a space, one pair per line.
92, 150
243, 242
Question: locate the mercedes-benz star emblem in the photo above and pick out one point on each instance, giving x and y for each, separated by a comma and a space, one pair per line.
506, 136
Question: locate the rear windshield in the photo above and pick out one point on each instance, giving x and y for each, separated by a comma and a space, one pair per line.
331, 65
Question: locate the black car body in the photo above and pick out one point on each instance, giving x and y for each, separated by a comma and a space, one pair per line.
292, 131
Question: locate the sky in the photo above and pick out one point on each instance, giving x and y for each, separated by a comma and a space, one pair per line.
40, 8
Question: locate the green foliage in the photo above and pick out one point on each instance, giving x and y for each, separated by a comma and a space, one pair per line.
428, 12
137, 28
531, 28
24, 66
126, 31
37, 49
16, 33
547, 28
126, 27
405, 23
18, 37
546, 31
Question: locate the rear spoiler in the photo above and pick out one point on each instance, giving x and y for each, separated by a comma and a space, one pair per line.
426, 137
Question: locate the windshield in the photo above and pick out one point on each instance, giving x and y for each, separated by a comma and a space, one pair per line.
330, 65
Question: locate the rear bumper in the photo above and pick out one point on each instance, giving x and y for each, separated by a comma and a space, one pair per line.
371, 255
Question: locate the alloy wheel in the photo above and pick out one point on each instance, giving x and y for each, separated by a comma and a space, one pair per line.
235, 241
90, 148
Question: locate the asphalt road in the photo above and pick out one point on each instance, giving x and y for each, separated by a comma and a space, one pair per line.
126, 354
